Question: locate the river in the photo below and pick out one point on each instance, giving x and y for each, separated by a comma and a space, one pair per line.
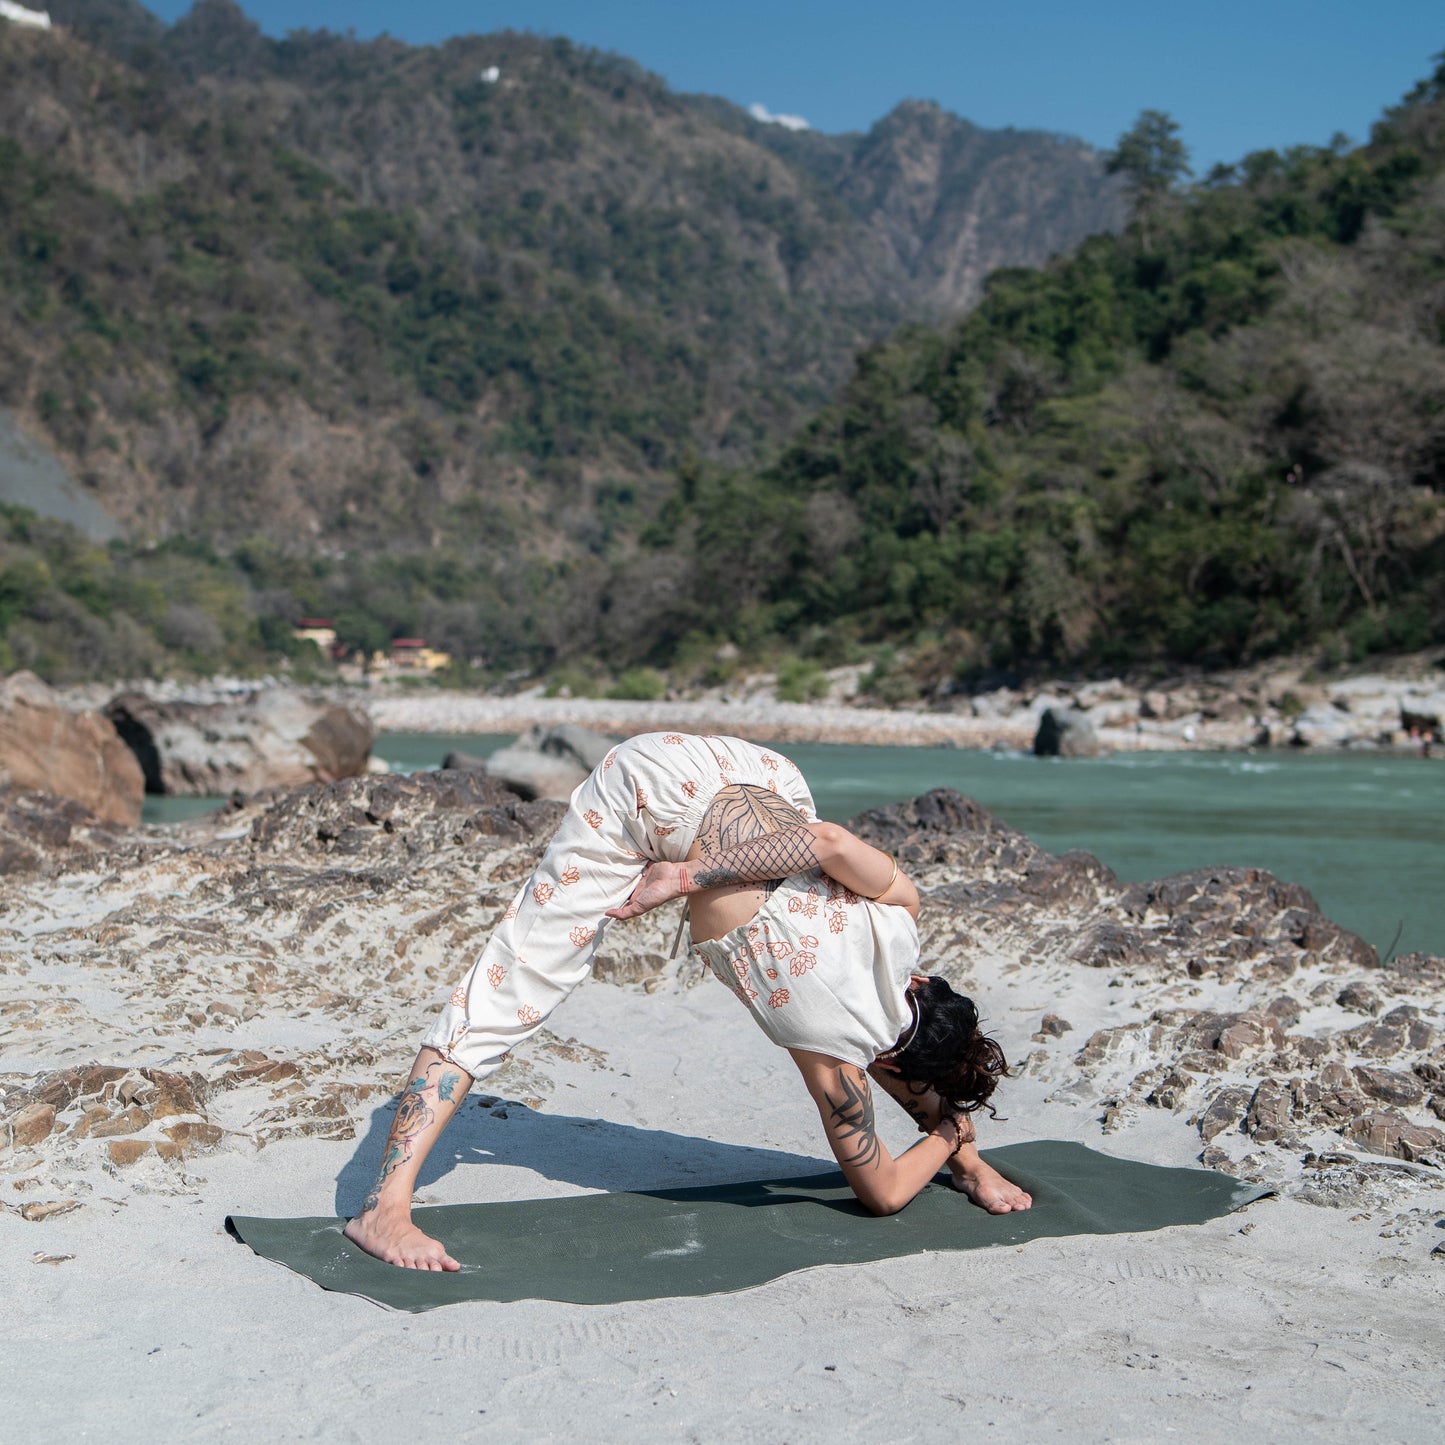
1365, 833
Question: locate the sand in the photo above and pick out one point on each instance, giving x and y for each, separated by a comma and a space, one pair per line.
135, 1317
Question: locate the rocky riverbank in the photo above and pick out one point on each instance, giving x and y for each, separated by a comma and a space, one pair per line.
262, 976
1282, 705
213, 1018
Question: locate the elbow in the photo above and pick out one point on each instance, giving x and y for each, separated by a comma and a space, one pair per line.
828, 841
880, 1203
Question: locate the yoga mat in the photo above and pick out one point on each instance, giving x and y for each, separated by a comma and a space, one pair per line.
605, 1248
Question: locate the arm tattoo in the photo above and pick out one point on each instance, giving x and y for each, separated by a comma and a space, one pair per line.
853, 1113
918, 1114
414, 1115
766, 859
749, 835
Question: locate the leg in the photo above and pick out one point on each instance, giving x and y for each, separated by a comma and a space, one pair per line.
384, 1228
591, 864
971, 1176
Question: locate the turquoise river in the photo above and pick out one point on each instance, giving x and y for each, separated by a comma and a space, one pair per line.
1363, 832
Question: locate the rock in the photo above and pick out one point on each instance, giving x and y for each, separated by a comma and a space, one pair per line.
41, 833
535, 775
1388, 1086
258, 1071
1285, 1010
550, 762
1052, 1026
1401, 1030
929, 827
274, 738
463, 763
1249, 1034
37, 1212
407, 816
1114, 946
172, 1094
1065, 733
126, 1151
628, 968
187, 1138
1358, 998
1270, 1112
128, 1121
1323, 725
47, 749
31, 1125
1393, 1135
578, 745
1171, 1090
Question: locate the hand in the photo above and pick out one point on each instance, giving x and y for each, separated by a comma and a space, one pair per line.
660, 883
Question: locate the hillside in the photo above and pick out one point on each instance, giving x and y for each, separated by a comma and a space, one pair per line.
540, 426
338, 291
1216, 438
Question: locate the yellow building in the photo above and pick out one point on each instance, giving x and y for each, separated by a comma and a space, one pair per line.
411, 654
318, 630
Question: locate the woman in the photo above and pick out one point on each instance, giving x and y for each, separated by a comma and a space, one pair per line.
813, 929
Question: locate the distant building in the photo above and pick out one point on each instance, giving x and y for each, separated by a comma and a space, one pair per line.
319, 630
19, 15
411, 654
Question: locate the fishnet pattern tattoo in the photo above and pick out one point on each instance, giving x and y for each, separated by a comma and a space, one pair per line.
767, 859
741, 813
749, 835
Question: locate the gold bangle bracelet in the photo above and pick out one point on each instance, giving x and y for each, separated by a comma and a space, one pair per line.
892, 879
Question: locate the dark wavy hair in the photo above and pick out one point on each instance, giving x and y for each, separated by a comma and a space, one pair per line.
948, 1053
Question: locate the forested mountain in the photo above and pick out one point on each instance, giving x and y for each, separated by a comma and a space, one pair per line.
1215, 438
359, 290
509, 360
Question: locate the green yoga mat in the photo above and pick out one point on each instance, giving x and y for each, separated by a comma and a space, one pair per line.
604, 1248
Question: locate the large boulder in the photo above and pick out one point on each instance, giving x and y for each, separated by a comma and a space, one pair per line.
46, 748
550, 762
1065, 733
43, 833
271, 739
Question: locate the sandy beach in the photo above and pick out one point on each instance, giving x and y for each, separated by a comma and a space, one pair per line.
271, 972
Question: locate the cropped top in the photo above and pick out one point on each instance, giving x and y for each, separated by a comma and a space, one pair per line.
821, 969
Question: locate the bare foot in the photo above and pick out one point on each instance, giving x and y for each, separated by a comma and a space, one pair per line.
989, 1189
394, 1239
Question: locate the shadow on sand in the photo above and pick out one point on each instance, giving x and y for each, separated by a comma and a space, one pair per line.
590, 1153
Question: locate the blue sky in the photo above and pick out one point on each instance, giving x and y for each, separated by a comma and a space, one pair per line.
1237, 76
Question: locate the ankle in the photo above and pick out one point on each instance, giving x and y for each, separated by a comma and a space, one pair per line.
396, 1205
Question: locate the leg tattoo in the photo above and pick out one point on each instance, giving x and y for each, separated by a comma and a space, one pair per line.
414, 1115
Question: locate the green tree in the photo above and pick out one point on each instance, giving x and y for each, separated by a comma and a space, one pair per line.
1153, 160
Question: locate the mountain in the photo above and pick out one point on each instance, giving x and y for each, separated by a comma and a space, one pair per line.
1217, 437
327, 291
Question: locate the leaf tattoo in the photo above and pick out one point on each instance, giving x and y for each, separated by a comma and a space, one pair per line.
750, 835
